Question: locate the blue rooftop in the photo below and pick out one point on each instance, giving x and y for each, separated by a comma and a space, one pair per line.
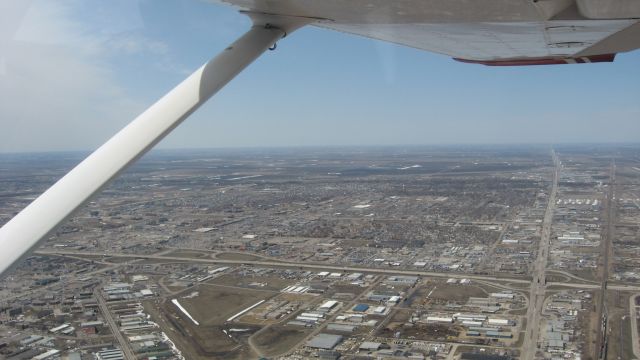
361, 307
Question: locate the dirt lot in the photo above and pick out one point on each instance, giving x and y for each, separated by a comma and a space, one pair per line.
198, 342
260, 282
434, 332
620, 342
459, 293
552, 277
211, 308
345, 288
191, 254
237, 256
117, 260
278, 339
215, 304
587, 274
395, 323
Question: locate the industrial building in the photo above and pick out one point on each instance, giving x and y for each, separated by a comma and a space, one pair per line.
324, 341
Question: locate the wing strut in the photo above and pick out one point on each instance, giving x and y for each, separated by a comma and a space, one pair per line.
39, 219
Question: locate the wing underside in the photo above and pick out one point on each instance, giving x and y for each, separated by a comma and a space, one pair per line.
492, 32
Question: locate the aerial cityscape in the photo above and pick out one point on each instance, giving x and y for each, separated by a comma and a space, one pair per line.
447, 252
363, 179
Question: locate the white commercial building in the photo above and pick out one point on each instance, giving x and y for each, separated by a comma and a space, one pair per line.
437, 319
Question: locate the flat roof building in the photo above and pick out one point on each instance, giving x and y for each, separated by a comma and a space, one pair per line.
370, 346
324, 341
341, 327
361, 307
329, 304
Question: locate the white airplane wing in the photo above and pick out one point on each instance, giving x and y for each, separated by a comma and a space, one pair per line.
491, 32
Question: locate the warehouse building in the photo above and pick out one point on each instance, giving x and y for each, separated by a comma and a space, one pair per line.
324, 341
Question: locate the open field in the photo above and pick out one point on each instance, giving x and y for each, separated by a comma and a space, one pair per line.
211, 307
619, 339
459, 293
277, 339
206, 342
272, 283
237, 256
215, 304
191, 254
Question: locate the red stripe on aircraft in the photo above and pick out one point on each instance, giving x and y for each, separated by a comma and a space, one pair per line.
542, 61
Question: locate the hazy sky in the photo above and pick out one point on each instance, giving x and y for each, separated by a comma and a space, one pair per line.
73, 72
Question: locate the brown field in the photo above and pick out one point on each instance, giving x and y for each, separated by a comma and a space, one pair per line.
519, 311
197, 342
436, 332
394, 324
552, 277
345, 288
191, 254
278, 339
620, 342
117, 260
161, 261
519, 285
587, 274
216, 304
270, 282
237, 256
460, 293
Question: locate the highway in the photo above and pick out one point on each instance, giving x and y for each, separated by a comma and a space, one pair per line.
595, 286
288, 264
601, 338
312, 266
538, 286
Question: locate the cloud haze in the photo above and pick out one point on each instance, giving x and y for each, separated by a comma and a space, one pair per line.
57, 76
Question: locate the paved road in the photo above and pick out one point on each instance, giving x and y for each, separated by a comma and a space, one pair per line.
595, 286
601, 338
634, 325
538, 286
124, 345
307, 265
